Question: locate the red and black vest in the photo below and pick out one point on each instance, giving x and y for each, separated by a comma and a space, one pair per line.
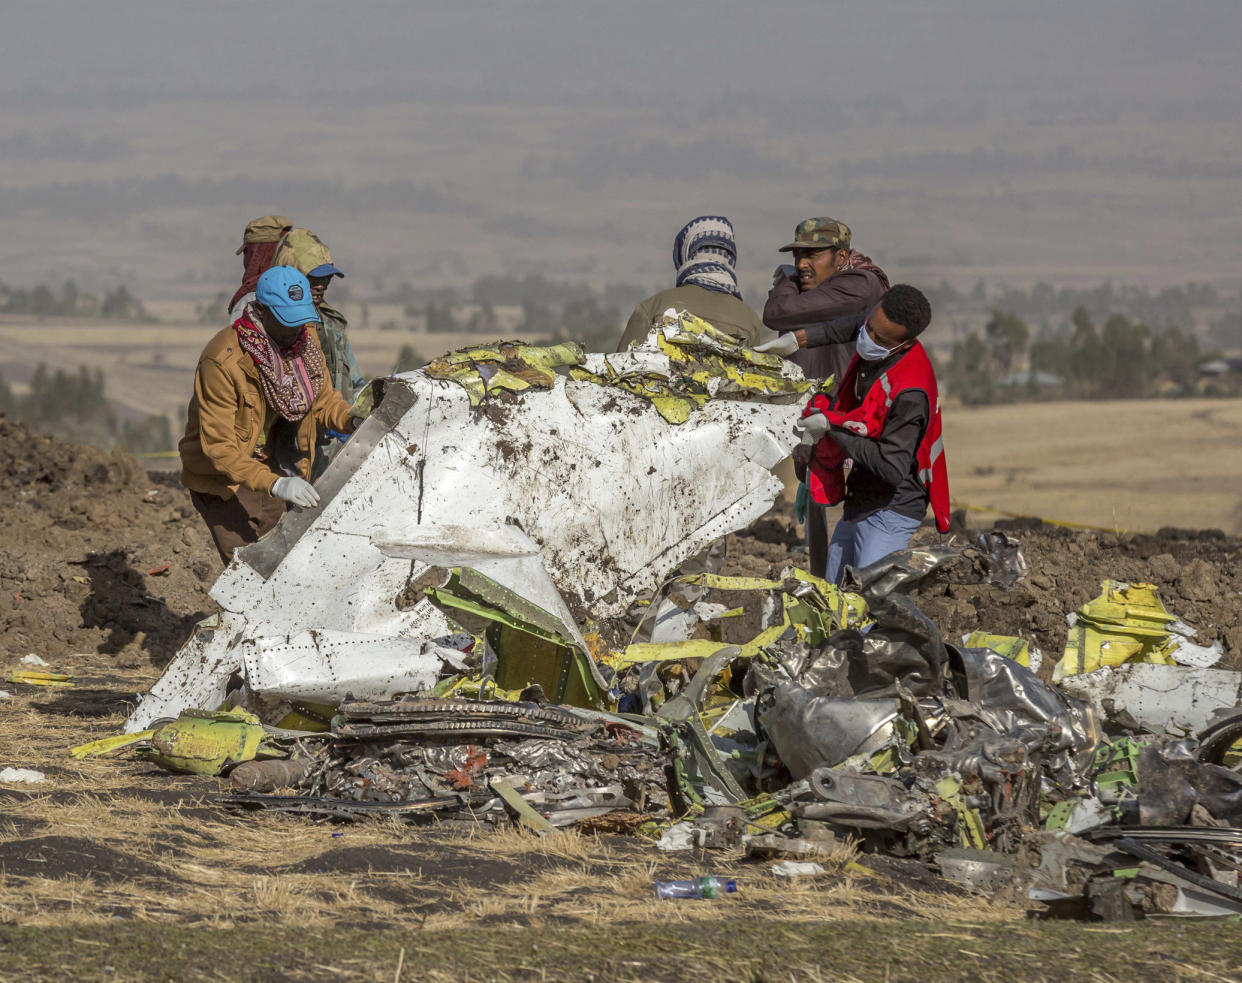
826, 477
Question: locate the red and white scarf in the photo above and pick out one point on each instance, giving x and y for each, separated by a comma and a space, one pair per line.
291, 377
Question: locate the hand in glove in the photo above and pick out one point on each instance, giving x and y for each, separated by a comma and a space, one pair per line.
800, 502
296, 491
811, 429
783, 344
782, 272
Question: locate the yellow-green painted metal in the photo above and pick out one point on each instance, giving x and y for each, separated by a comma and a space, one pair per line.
204, 743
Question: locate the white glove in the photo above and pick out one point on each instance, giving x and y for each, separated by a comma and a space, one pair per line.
784, 271
811, 429
296, 491
783, 344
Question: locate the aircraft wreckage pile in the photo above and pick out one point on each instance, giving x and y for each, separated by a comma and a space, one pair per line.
482, 620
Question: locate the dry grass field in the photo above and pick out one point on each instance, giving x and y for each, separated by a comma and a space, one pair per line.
150, 367
112, 869
1128, 465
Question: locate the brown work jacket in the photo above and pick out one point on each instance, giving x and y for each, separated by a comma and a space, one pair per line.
228, 417
788, 308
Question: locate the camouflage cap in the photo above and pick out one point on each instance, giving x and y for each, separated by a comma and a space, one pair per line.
819, 233
269, 228
305, 251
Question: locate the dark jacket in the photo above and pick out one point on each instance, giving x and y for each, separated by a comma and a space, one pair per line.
788, 308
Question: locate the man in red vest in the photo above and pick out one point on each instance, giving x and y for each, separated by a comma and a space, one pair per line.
885, 418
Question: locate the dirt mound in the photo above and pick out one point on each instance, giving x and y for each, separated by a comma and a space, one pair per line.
33, 462
1199, 575
82, 535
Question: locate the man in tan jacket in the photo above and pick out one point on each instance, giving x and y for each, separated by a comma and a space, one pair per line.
260, 390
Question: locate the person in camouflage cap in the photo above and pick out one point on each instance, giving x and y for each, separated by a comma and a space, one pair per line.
828, 279
819, 233
259, 242
305, 251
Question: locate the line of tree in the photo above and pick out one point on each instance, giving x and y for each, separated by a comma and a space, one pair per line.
75, 404
118, 304
1169, 305
408, 359
1119, 359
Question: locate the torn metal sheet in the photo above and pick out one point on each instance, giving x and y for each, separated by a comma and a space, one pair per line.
324, 665
808, 731
1159, 698
983, 871
614, 496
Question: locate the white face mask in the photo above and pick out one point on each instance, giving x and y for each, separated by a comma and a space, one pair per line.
869, 350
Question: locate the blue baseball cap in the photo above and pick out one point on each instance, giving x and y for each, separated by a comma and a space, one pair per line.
326, 269
286, 293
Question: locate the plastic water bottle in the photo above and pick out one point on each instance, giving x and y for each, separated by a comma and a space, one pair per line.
702, 887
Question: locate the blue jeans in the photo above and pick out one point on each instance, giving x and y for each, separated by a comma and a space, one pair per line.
861, 542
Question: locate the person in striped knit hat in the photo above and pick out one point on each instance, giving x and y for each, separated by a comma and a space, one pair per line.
705, 258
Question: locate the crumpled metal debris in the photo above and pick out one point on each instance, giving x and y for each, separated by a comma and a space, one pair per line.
575, 465
1003, 562
474, 759
205, 743
953, 754
1128, 624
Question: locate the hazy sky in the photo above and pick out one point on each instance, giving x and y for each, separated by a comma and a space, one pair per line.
956, 135
1134, 51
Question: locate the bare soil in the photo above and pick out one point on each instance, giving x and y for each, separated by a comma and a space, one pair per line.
84, 534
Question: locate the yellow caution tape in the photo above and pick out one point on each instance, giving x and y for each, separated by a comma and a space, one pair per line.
1044, 519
